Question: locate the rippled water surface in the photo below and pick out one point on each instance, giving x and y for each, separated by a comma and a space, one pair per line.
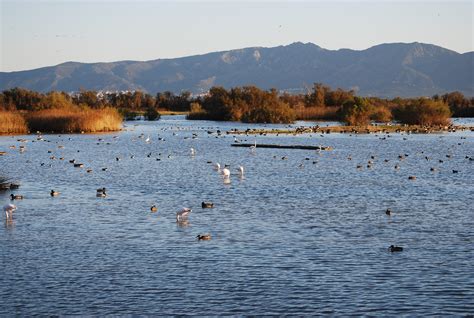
302, 235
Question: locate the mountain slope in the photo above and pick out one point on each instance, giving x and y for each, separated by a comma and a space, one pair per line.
386, 70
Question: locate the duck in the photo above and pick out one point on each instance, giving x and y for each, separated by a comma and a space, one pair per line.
388, 212
16, 197
394, 248
54, 193
101, 193
207, 205
411, 177
153, 208
205, 237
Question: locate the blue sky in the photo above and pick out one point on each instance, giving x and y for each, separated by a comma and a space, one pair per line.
43, 33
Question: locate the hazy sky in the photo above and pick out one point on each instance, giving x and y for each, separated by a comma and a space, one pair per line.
42, 33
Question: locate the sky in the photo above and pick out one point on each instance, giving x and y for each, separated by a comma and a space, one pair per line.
43, 33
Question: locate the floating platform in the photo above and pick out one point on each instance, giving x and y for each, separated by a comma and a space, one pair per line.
304, 147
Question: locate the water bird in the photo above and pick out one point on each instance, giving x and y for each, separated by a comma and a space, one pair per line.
153, 208
54, 193
9, 208
226, 173
16, 197
455, 171
241, 171
101, 193
388, 212
78, 165
104, 169
411, 177
204, 237
183, 214
432, 169
217, 166
147, 139
14, 186
193, 152
207, 205
394, 248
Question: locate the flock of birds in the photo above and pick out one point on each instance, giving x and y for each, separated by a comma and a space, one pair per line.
183, 214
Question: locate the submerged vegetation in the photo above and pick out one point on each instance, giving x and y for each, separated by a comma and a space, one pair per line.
22, 110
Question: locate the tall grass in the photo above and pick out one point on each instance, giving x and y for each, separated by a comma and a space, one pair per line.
73, 120
12, 123
317, 113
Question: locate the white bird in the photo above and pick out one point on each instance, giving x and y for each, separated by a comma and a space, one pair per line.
193, 152
241, 171
217, 166
254, 147
182, 214
9, 208
226, 173
147, 139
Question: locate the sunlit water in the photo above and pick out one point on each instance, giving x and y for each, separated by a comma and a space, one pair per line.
292, 236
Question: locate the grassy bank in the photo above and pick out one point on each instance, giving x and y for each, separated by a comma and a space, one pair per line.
62, 120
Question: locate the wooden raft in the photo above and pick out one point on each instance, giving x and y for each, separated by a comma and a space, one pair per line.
284, 146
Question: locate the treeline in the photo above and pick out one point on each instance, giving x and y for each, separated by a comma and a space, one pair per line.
251, 104
129, 104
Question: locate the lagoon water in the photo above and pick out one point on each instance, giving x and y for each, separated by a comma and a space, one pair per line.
291, 237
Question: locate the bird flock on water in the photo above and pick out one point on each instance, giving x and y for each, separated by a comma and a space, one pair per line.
224, 171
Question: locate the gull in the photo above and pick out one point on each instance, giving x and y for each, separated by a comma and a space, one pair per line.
182, 214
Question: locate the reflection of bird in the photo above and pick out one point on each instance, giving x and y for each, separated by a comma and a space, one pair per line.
182, 214
9, 208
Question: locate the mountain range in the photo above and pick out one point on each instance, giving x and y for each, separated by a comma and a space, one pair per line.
385, 70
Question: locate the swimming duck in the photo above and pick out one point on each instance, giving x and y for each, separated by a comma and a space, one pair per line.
54, 193
388, 212
207, 205
205, 237
394, 248
16, 197
153, 208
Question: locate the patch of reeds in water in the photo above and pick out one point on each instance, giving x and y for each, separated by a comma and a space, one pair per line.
74, 120
12, 123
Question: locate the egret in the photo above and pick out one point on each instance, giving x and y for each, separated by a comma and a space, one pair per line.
182, 214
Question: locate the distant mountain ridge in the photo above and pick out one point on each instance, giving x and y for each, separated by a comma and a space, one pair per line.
385, 70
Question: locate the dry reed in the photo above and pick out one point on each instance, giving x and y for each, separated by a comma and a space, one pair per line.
317, 113
72, 120
12, 123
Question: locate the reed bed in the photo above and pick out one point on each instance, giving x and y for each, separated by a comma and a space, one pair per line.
12, 123
72, 120
317, 113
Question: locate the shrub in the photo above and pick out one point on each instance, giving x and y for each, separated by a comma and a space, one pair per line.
152, 114
423, 111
